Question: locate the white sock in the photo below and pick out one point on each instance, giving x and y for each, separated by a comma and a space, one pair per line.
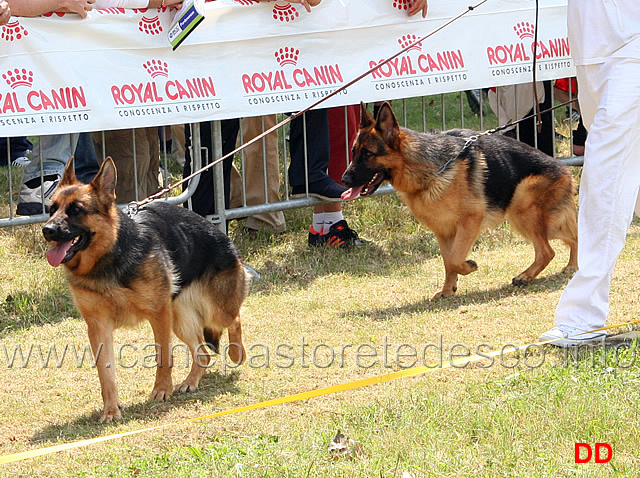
318, 222
331, 218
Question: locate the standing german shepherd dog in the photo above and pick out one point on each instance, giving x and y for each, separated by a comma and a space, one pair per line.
456, 189
166, 265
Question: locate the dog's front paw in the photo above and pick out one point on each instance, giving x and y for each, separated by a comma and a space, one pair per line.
444, 293
161, 393
520, 281
472, 266
186, 387
111, 413
569, 270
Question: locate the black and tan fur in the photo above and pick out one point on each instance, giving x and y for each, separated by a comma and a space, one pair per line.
457, 192
166, 265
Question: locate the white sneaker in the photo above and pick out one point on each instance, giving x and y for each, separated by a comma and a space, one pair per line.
565, 336
32, 199
20, 162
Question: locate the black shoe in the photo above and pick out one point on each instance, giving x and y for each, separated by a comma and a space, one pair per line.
475, 98
316, 239
325, 188
30, 197
341, 235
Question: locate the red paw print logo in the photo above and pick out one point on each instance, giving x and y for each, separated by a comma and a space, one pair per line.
156, 68
525, 30
407, 40
13, 31
402, 4
50, 14
285, 12
150, 26
18, 77
287, 56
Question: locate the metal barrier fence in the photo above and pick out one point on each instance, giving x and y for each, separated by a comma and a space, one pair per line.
260, 183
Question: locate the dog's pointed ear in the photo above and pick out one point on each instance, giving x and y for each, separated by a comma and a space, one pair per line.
366, 118
69, 176
105, 181
387, 123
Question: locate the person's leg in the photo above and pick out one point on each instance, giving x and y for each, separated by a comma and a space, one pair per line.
15, 150
259, 172
329, 226
342, 119
85, 161
546, 135
119, 144
527, 130
178, 143
312, 165
52, 152
203, 198
579, 139
148, 149
610, 104
343, 127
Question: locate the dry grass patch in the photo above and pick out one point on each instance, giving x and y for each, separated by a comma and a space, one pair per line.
317, 305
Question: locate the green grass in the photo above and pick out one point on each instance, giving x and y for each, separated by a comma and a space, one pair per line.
492, 421
502, 420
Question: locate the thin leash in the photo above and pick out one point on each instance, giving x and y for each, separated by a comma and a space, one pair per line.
460, 362
133, 206
537, 113
535, 59
473, 138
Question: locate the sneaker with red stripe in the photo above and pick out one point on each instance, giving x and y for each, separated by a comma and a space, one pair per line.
341, 235
316, 239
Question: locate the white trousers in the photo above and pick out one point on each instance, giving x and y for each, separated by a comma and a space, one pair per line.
609, 96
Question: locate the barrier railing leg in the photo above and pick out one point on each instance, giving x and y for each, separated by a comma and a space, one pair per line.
218, 175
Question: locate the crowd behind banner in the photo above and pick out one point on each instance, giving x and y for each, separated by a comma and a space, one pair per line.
115, 69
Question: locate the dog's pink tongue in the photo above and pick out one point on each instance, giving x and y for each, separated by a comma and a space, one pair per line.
351, 193
56, 255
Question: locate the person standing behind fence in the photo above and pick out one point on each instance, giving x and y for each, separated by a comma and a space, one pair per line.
310, 156
566, 89
514, 102
15, 150
605, 43
329, 226
141, 163
42, 175
261, 168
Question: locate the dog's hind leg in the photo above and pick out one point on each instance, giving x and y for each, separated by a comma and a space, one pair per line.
572, 266
533, 226
542, 210
565, 228
228, 292
544, 254
187, 325
236, 347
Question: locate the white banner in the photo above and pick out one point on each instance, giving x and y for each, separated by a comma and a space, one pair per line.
115, 69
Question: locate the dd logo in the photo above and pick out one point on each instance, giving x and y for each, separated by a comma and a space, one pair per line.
594, 452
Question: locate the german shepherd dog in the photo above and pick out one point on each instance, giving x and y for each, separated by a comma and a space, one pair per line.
457, 188
165, 264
